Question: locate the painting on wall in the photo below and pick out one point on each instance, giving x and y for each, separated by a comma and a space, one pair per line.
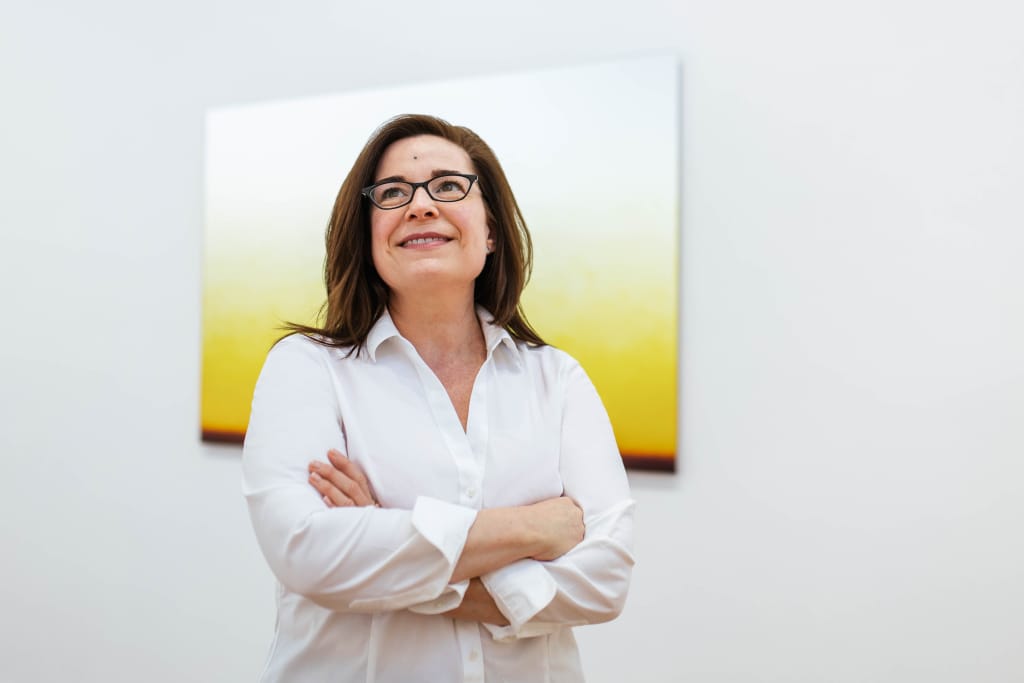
592, 155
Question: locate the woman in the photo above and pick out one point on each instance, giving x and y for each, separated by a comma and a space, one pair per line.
472, 505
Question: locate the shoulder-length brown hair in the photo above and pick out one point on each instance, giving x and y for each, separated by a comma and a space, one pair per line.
356, 294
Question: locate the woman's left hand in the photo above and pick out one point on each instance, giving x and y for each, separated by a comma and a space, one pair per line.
341, 482
478, 605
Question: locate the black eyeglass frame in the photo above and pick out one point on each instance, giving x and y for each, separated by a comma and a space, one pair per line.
368, 191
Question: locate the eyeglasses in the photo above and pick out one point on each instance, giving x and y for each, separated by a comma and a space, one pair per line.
394, 194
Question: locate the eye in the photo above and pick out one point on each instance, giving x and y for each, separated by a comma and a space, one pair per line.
391, 192
449, 186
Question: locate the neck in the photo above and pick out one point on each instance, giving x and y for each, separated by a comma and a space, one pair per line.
439, 328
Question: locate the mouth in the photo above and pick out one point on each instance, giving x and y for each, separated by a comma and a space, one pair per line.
424, 240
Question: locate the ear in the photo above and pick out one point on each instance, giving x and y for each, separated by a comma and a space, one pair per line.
490, 245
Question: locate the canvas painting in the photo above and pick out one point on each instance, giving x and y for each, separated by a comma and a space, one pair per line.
592, 154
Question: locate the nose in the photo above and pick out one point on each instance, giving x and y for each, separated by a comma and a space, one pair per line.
421, 205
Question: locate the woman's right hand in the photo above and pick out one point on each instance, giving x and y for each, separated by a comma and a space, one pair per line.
341, 482
558, 523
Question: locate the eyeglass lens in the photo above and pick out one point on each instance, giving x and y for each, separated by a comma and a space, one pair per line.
446, 188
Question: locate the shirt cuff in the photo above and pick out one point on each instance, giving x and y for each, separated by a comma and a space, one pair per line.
533, 629
520, 590
449, 599
444, 525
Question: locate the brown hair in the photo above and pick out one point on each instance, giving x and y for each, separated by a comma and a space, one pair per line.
356, 294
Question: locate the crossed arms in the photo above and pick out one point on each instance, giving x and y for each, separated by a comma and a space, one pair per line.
561, 561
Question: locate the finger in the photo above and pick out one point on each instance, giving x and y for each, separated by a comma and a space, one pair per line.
353, 471
332, 496
349, 467
344, 483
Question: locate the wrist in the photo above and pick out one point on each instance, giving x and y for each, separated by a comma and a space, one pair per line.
531, 532
522, 531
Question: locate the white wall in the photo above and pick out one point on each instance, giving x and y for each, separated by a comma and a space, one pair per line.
849, 504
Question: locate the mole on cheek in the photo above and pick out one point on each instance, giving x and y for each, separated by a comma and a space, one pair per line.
415, 157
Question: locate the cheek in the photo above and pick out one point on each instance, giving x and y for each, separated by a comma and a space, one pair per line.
379, 232
382, 226
476, 220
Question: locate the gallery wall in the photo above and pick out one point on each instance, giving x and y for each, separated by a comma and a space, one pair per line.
848, 503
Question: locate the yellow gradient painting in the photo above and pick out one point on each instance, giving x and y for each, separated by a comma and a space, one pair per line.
592, 155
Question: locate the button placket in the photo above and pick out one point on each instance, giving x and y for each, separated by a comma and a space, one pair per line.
476, 435
468, 633
445, 418
466, 447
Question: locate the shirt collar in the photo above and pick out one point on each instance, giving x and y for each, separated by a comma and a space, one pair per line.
381, 331
494, 335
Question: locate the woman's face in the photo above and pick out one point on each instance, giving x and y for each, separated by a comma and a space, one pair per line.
428, 245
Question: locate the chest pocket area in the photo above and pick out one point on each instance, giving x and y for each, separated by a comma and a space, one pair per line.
521, 469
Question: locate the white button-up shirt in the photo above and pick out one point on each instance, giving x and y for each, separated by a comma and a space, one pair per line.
361, 589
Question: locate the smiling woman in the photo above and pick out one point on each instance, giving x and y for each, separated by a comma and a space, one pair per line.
470, 504
428, 242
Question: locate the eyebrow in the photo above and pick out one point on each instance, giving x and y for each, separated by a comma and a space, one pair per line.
436, 173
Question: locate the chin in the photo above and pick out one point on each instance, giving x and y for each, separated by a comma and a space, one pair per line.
418, 278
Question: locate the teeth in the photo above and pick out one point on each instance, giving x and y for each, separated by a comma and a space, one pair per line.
425, 240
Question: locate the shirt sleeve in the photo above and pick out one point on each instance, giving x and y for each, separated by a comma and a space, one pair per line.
589, 583
347, 559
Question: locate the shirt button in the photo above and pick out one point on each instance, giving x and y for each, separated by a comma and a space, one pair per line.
474, 655
471, 492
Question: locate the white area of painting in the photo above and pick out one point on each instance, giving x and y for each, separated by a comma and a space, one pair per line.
563, 143
848, 507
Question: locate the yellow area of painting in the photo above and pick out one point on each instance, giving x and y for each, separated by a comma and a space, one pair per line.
251, 287
608, 297
611, 305
603, 289
597, 181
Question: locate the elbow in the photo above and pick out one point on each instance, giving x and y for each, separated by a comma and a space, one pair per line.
299, 580
613, 608
597, 598
354, 577
321, 588
301, 568
610, 600
611, 590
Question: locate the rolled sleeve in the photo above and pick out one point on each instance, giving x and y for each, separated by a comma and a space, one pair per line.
359, 559
431, 518
520, 590
589, 583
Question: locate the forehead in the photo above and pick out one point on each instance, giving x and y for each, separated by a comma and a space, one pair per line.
421, 156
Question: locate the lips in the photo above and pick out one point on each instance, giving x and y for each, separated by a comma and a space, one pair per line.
421, 239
